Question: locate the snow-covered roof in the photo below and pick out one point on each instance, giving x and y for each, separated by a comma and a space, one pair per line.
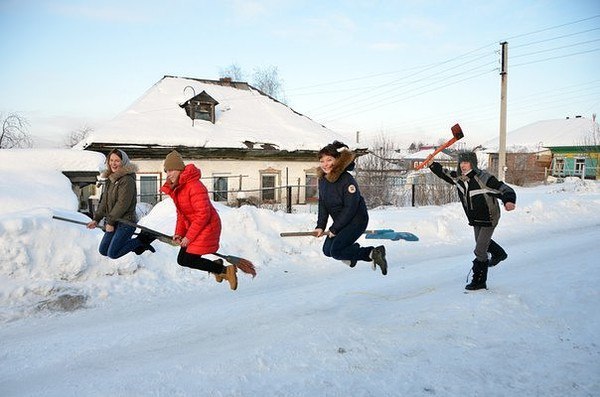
539, 136
242, 114
53, 159
422, 154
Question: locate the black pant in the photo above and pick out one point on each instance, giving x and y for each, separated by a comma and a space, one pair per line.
198, 262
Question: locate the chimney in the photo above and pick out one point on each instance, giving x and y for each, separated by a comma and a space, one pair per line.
226, 81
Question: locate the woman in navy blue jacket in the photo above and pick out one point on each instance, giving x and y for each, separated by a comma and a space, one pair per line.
340, 199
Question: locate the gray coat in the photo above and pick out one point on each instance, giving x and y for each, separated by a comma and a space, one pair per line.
119, 195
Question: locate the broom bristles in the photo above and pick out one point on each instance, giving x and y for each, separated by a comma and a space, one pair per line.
246, 266
243, 264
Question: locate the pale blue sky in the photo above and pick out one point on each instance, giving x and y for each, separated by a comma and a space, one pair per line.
404, 68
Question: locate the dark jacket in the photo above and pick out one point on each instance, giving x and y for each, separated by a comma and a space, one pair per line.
197, 219
479, 192
119, 195
339, 196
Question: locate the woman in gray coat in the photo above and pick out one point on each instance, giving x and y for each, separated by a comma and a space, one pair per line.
118, 201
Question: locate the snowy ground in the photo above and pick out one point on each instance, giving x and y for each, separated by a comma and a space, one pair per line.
306, 325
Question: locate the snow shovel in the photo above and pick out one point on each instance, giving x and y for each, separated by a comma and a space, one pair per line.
381, 234
243, 264
457, 134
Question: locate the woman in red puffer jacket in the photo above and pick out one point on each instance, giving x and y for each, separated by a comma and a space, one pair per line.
198, 227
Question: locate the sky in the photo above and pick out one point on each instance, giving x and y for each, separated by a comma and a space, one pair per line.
74, 323
404, 70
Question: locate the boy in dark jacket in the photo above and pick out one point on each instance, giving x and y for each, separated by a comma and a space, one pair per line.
340, 198
479, 192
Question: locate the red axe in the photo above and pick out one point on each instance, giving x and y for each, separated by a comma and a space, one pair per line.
456, 135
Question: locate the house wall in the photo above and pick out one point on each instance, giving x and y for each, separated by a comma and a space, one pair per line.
522, 168
248, 186
564, 162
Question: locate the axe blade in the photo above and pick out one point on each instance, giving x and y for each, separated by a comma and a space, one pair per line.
457, 131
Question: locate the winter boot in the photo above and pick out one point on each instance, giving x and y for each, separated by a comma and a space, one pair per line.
479, 276
498, 254
229, 275
145, 239
378, 257
497, 259
349, 262
219, 276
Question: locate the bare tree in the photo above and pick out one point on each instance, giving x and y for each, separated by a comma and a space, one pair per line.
378, 174
268, 81
14, 132
77, 136
234, 71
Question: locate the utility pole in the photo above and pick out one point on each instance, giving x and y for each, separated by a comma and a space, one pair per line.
503, 87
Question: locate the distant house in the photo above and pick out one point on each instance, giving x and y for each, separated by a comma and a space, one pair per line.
559, 148
247, 144
413, 160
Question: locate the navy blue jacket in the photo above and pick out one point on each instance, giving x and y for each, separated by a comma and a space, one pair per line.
339, 196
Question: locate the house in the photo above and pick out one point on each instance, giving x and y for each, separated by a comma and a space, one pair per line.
559, 148
248, 145
413, 160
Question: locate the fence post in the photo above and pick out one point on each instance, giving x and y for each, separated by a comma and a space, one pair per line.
412, 188
288, 199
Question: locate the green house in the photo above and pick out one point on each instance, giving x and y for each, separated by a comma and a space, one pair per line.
578, 161
550, 148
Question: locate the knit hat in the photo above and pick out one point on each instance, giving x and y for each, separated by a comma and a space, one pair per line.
333, 149
470, 157
174, 162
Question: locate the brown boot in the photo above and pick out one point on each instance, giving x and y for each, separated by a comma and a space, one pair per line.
231, 276
219, 277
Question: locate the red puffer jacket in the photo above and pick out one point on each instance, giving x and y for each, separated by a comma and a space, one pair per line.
197, 219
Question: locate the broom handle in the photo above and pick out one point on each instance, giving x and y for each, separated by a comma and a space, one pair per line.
297, 234
60, 218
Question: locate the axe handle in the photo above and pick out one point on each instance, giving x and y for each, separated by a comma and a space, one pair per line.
432, 155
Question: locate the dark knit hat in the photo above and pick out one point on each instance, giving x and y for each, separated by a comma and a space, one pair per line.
470, 157
333, 149
174, 162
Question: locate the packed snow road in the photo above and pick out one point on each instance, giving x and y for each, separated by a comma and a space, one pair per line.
333, 331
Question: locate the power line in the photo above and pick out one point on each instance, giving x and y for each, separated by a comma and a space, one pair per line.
555, 48
553, 38
554, 27
556, 57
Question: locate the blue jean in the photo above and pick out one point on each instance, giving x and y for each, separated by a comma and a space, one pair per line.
344, 246
118, 243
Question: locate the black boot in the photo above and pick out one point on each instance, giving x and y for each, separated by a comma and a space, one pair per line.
498, 254
145, 239
479, 276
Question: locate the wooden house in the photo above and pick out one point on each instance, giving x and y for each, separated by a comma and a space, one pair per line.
248, 145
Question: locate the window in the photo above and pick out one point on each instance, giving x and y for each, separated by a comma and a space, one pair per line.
311, 188
220, 188
267, 187
579, 166
149, 189
559, 166
202, 111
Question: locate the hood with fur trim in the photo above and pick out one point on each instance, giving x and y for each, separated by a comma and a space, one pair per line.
345, 162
